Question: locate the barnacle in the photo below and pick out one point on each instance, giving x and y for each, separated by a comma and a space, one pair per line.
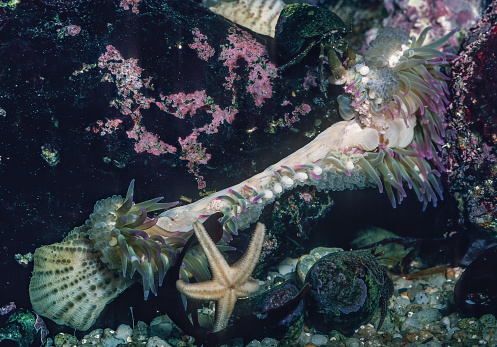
73, 280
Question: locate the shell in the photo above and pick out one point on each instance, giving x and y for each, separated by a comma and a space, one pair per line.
257, 15
300, 24
70, 284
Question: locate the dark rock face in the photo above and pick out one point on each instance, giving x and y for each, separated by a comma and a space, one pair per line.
471, 157
475, 292
347, 288
94, 94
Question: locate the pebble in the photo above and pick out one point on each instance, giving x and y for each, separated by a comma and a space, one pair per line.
156, 341
161, 326
140, 332
269, 342
124, 332
319, 340
422, 298
414, 318
65, 340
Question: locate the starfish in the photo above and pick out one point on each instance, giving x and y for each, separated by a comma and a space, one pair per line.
228, 283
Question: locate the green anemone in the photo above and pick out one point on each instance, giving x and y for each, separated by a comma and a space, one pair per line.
135, 246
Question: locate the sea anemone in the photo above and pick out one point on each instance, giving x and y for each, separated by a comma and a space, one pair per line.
398, 95
393, 110
129, 240
119, 244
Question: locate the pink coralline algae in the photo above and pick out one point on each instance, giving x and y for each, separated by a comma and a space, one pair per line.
180, 105
126, 75
471, 158
195, 154
443, 16
261, 72
200, 44
299, 111
109, 127
7, 308
69, 30
133, 4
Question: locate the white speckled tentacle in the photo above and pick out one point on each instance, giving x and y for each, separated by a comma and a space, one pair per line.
318, 163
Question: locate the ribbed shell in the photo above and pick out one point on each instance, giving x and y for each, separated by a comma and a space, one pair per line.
70, 284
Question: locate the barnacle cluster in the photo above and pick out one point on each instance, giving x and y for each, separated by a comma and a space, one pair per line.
73, 280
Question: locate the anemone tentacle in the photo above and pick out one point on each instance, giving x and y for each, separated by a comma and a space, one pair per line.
393, 110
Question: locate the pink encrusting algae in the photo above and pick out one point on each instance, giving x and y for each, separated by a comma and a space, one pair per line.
195, 154
130, 4
200, 44
132, 90
261, 70
126, 75
299, 111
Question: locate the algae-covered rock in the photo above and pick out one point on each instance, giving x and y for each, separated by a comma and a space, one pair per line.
347, 288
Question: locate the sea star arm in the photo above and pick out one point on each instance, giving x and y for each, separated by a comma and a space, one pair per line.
218, 265
228, 283
209, 290
246, 264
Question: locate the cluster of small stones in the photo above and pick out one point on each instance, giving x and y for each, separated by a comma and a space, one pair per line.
420, 313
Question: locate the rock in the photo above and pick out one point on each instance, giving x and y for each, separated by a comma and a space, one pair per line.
18, 327
269, 342
420, 319
471, 325
488, 324
471, 131
347, 288
475, 291
287, 266
306, 261
422, 298
140, 332
161, 326
156, 341
64, 340
319, 340
290, 326
124, 332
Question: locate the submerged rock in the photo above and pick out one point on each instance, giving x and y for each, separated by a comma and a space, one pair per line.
347, 288
475, 291
19, 327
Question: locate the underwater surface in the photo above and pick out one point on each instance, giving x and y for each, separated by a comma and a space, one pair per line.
327, 172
